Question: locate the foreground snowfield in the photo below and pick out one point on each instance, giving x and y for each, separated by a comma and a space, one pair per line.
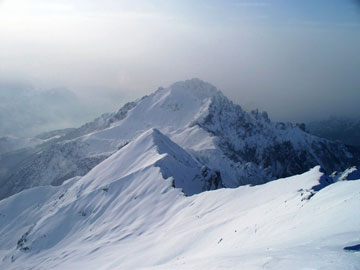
126, 214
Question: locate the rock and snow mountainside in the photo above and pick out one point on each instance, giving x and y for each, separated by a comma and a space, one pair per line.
126, 214
349, 174
142, 189
240, 148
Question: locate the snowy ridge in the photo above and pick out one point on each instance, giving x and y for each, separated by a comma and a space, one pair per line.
152, 148
143, 189
241, 148
116, 219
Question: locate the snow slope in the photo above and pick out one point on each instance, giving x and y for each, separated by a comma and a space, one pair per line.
126, 214
242, 148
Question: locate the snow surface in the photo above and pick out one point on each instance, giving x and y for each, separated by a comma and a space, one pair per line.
243, 148
126, 214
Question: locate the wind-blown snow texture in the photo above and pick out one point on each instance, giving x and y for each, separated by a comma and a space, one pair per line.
125, 214
151, 197
240, 148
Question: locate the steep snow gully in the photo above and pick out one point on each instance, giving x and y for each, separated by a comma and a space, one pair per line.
154, 196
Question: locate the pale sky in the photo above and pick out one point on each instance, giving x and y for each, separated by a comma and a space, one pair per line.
298, 60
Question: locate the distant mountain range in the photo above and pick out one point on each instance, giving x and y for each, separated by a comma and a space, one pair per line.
26, 111
346, 130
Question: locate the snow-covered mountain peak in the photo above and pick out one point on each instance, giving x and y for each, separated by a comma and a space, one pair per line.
237, 147
196, 88
152, 149
171, 110
119, 201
